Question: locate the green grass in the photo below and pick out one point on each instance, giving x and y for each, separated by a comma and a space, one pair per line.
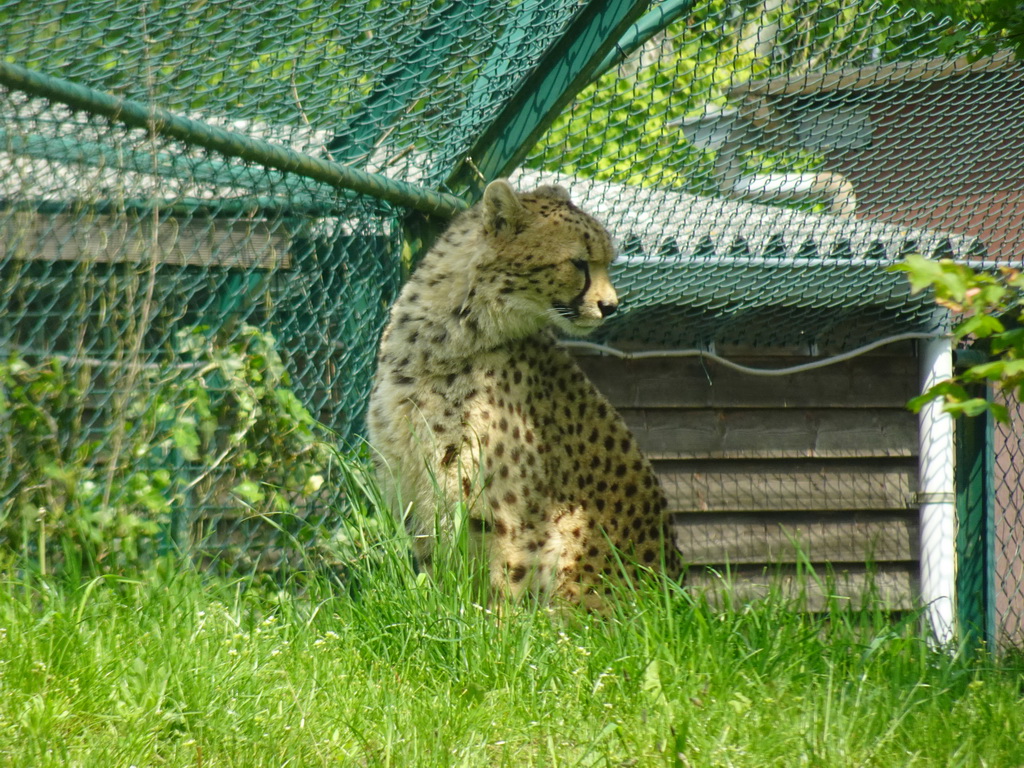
174, 669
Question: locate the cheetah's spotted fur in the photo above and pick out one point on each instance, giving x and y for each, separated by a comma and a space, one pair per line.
474, 398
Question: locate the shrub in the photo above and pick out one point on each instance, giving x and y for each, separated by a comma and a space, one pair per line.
107, 478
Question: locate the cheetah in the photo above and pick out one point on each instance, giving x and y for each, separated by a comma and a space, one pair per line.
475, 402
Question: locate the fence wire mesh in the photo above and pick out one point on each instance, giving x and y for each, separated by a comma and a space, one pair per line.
1008, 560
177, 317
759, 164
815, 140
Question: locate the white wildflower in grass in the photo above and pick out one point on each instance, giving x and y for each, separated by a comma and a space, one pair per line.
313, 484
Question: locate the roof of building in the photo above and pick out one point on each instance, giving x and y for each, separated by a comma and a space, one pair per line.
881, 75
697, 271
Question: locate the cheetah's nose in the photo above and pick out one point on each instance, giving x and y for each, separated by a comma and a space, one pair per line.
607, 307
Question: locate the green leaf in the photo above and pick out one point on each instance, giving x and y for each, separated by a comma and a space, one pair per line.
948, 390
974, 406
922, 273
994, 371
250, 491
186, 439
1013, 368
152, 499
981, 326
293, 406
281, 502
1012, 339
1000, 413
953, 282
652, 686
989, 297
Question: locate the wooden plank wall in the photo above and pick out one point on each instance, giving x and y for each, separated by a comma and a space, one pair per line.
763, 473
186, 241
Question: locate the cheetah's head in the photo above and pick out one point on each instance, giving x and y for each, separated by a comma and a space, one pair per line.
548, 259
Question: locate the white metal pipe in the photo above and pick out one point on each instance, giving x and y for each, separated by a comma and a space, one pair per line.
937, 494
775, 187
797, 187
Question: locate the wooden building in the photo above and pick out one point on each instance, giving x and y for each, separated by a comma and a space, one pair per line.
933, 143
769, 476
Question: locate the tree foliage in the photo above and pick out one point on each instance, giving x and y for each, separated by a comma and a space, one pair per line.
104, 482
627, 126
993, 24
989, 306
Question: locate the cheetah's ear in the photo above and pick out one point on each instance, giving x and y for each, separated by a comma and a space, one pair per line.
553, 191
503, 212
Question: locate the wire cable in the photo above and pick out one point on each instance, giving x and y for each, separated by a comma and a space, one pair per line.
788, 371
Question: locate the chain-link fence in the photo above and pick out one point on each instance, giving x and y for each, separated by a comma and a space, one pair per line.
783, 145
206, 209
990, 547
759, 163
1008, 528
188, 278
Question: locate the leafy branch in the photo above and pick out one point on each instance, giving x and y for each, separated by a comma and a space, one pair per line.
225, 429
988, 306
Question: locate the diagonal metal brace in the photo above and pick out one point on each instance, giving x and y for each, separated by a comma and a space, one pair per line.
228, 143
648, 26
566, 67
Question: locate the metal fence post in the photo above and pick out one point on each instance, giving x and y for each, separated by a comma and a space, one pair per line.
975, 587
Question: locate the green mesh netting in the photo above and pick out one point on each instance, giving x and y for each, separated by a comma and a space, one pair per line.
760, 161
178, 296
1005, 543
172, 314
